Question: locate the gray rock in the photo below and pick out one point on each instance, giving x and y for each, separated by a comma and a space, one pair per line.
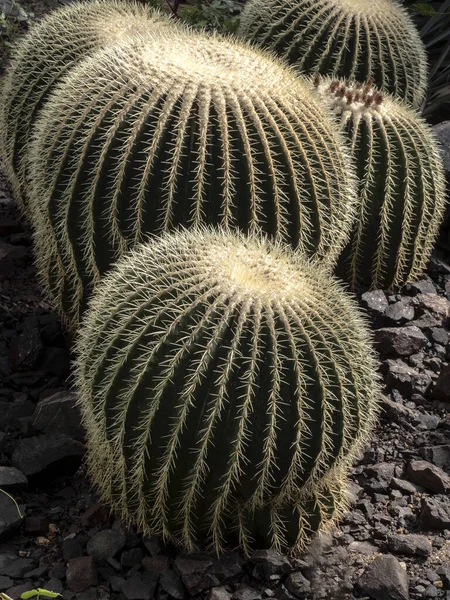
12, 479
439, 335
409, 544
382, 471
399, 313
421, 287
403, 486
71, 548
139, 587
245, 592
428, 476
219, 593
363, 548
11, 412
400, 341
385, 578
270, 564
437, 305
441, 389
12, 9
57, 452
298, 585
55, 585
5, 583
131, 557
156, 565
17, 590
172, 585
434, 514
15, 567
193, 570
59, 414
375, 302
405, 379
438, 455
25, 350
81, 573
106, 543
10, 520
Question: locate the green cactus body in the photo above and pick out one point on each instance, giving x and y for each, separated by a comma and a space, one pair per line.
45, 55
183, 130
401, 186
225, 385
343, 38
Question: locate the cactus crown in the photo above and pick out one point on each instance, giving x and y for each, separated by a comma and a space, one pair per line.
178, 130
46, 54
343, 38
401, 185
225, 383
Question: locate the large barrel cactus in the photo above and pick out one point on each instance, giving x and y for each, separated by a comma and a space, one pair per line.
181, 130
225, 384
343, 38
401, 186
49, 51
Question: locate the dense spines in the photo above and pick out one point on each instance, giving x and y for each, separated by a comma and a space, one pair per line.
225, 384
186, 129
401, 186
46, 54
343, 38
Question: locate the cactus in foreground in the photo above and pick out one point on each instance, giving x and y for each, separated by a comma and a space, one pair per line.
225, 384
45, 55
343, 38
401, 186
184, 129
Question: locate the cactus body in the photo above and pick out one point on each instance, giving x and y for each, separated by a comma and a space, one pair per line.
343, 38
179, 131
45, 55
225, 384
401, 186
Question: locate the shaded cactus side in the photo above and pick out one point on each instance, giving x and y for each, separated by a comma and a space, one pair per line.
225, 385
402, 195
46, 54
182, 130
343, 38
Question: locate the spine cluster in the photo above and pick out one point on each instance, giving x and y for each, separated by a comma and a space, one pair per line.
245, 354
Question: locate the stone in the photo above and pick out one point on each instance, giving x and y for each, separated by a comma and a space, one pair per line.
399, 313
106, 543
384, 578
16, 591
71, 548
441, 390
156, 565
363, 548
245, 592
421, 287
5, 583
270, 564
439, 335
438, 455
12, 480
298, 585
434, 514
10, 520
37, 525
409, 544
403, 486
193, 570
56, 454
54, 585
172, 585
11, 412
219, 593
228, 566
381, 471
81, 573
139, 587
25, 350
428, 476
437, 305
399, 341
131, 557
97, 514
375, 302
405, 379
59, 414
15, 567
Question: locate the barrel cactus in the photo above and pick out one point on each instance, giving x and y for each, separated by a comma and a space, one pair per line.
225, 383
178, 130
49, 51
401, 185
343, 38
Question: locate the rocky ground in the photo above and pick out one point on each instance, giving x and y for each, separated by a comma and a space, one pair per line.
393, 545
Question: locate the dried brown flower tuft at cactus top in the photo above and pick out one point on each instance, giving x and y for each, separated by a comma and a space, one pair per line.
181, 129
46, 54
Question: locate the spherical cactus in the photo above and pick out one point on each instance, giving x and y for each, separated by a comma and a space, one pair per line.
225, 383
401, 186
343, 38
49, 51
181, 130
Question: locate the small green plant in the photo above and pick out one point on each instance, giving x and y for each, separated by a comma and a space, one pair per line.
225, 385
37, 593
401, 186
354, 39
180, 130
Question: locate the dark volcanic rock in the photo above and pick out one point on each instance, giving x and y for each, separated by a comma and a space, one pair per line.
10, 520
400, 341
385, 578
59, 414
57, 454
139, 587
410, 545
405, 379
438, 455
375, 302
193, 570
428, 476
81, 573
435, 514
399, 313
12, 479
441, 389
270, 564
106, 544
25, 350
